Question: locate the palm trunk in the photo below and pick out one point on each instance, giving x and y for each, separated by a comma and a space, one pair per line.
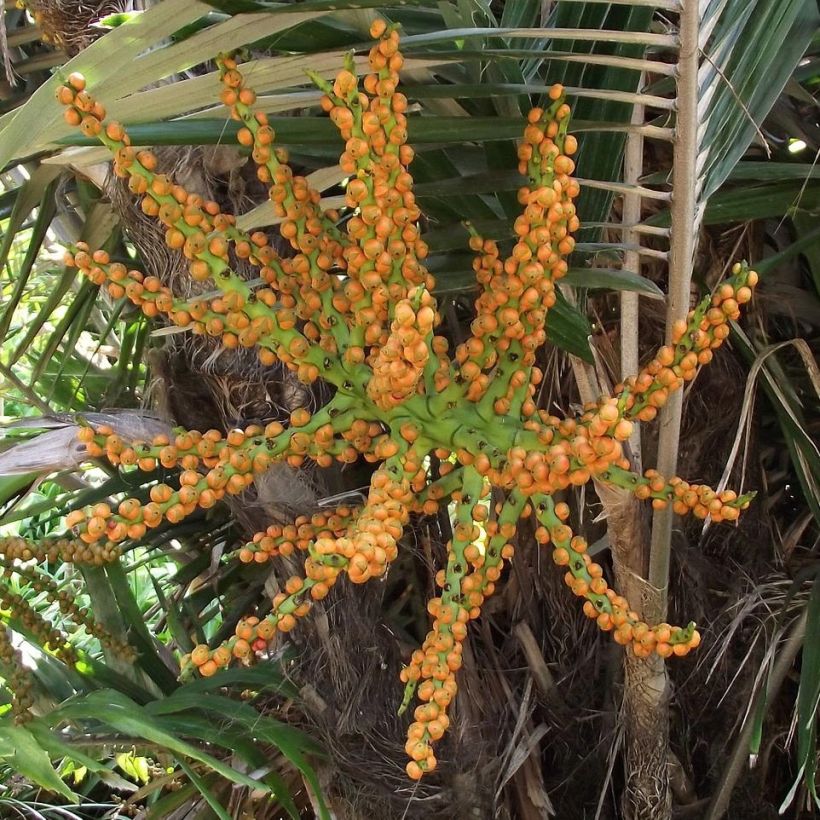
647, 795
645, 717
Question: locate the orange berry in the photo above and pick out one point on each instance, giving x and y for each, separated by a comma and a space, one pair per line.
266, 630
76, 81
72, 116
663, 649
200, 654
221, 656
208, 668
244, 630
241, 649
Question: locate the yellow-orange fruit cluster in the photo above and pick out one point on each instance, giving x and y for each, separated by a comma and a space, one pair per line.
364, 552
693, 344
573, 453
304, 281
435, 664
602, 604
279, 539
233, 461
700, 500
228, 318
399, 364
372, 542
518, 291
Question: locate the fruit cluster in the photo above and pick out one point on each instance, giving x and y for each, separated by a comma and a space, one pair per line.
52, 550
353, 305
39, 582
48, 636
31, 622
517, 292
18, 681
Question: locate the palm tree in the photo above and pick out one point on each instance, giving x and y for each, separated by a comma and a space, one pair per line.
674, 106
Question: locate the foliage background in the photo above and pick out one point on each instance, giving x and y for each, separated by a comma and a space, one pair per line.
541, 700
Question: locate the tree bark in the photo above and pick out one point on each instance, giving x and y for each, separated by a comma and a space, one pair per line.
645, 708
647, 795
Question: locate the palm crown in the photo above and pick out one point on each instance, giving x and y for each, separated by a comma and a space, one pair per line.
353, 306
